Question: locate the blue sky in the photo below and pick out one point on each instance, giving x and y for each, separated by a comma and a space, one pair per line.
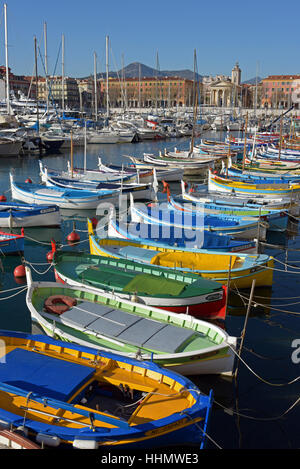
261, 35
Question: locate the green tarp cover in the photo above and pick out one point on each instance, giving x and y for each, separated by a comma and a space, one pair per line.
153, 285
128, 282
106, 277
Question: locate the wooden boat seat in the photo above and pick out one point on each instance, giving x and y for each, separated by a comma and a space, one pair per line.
127, 327
136, 253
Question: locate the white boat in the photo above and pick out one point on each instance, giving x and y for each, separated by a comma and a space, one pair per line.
81, 174
63, 198
162, 174
102, 136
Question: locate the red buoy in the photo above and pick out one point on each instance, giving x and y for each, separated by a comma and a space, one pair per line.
28, 180
50, 254
20, 271
2, 198
73, 237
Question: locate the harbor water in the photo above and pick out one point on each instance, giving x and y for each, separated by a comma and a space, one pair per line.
258, 409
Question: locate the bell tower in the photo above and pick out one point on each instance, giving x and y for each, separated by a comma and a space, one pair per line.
236, 74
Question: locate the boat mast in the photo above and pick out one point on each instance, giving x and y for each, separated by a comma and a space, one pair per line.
245, 142
195, 102
280, 138
84, 162
139, 86
36, 86
107, 68
63, 73
156, 83
46, 65
256, 91
95, 87
6, 60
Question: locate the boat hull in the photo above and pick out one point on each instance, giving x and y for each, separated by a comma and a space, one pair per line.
217, 184
212, 364
47, 196
11, 243
19, 216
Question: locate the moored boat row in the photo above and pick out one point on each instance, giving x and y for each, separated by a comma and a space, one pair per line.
134, 309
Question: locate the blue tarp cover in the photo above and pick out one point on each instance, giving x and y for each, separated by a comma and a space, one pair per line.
47, 376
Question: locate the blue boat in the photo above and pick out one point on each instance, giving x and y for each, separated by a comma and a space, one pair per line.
11, 243
14, 215
67, 395
276, 219
162, 214
183, 240
264, 177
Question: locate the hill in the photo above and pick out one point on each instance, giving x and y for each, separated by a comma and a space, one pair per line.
136, 69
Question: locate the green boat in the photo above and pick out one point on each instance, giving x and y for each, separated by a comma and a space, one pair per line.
161, 287
180, 342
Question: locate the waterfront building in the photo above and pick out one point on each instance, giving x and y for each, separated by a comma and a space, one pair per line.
148, 92
18, 84
281, 91
55, 90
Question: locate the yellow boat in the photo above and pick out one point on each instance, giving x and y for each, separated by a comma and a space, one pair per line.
69, 395
216, 183
244, 268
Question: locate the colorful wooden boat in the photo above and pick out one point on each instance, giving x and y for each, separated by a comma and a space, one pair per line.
11, 243
246, 175
193, 163
244, 268
179, 342
164, 215
216, 183
268, 166
193, 193
284, 156
141, 191
277, 219
136, 174
166, 174
163, 288
81, 174
63, 198
14, 215
65, 395
183, 240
